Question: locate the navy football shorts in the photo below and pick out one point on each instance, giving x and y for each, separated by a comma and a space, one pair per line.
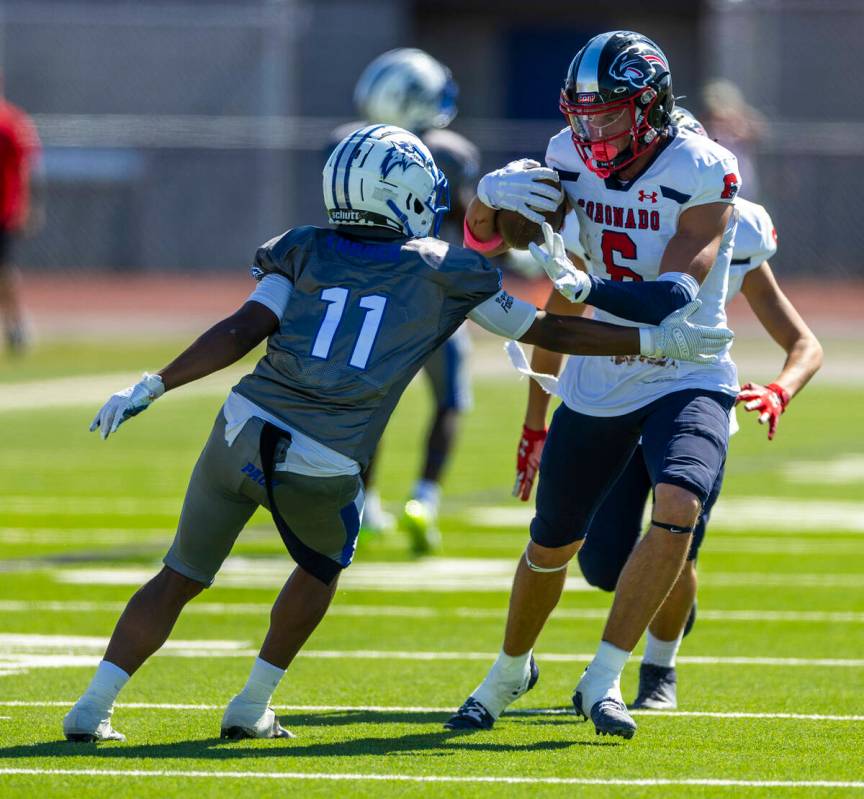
617, 524
684, 439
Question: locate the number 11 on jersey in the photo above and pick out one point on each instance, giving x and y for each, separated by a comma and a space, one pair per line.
336, 299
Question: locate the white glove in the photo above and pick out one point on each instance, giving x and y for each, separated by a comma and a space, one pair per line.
682, 340
128, 403
569, 282
516, 187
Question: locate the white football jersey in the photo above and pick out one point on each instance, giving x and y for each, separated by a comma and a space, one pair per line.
755, 242
624, 230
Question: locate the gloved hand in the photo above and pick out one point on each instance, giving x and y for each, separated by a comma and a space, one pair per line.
528, 461
517, 187
770, 401
681, 340
128, 403
570, 282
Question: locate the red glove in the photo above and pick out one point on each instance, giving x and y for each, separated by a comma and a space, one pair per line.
528, 461
770, 401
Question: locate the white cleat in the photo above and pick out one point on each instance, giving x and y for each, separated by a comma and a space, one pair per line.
244, 719
87, 724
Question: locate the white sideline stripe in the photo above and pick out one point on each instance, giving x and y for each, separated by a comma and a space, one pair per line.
424, 612
432, 574
15, 648
94, 389
786, 514
552, 711
443, 778
842, 469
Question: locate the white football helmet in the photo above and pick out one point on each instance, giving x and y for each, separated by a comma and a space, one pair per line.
385, 176
408, 88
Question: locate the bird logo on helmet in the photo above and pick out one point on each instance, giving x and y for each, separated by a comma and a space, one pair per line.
384, 176
617, 98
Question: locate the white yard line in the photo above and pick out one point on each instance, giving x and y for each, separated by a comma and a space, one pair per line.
784, 514
424, 612
439, 778
468, 575
18, 650
552, 711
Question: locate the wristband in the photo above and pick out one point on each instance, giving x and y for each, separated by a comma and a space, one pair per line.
782, 394
531, 435
647, 342
473, 243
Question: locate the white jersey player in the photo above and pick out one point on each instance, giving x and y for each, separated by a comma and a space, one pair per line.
657, 228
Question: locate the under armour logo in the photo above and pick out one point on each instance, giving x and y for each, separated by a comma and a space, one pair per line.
644, 196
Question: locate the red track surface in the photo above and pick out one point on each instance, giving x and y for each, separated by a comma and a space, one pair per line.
168, 303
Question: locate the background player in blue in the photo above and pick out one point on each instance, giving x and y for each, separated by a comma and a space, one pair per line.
409, 88
616, 526
656, 226
350, 314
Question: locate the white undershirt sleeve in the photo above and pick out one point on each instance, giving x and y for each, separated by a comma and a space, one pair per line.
504, 315
273, 291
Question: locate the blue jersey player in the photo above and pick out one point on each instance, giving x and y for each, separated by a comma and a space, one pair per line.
350, 314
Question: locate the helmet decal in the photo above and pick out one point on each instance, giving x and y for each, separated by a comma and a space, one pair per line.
636, 66
403, 154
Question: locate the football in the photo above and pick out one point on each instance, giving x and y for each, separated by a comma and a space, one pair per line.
518, 232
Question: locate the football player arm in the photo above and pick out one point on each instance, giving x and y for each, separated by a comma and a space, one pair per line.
686, 262
223, 344
784, 324
533, 436
220, 346
479, 231
509, 317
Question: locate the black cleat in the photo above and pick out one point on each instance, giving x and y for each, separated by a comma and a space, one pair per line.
610, 716
658, 688
474, 716
471, 716
81, 737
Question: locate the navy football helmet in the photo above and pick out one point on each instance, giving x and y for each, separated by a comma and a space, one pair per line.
617, 98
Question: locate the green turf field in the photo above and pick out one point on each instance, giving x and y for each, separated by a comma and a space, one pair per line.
771, 682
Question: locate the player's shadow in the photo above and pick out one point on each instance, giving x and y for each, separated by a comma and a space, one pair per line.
440, 743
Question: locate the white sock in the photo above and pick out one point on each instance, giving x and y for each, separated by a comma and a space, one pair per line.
608, 663
105, 685
262, 682
428, 492
504, 678
660, 653
603, 675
